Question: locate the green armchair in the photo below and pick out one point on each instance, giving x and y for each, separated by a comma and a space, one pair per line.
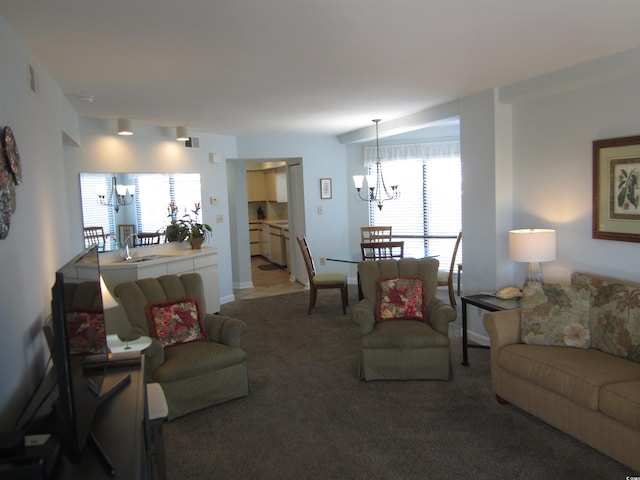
403, 349
192, 375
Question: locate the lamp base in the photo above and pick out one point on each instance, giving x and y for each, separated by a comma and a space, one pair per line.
534, 274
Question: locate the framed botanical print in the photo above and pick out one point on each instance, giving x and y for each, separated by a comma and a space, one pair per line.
616, 189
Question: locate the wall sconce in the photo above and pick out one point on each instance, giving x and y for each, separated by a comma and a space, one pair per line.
118, 196
124, 126
182, 135
532, 245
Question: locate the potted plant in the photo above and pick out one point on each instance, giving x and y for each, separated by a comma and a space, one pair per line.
187, 228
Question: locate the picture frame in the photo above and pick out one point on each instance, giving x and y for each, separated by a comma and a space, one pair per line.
616, 189
325, 188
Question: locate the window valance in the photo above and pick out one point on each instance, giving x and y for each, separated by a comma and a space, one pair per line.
438, 148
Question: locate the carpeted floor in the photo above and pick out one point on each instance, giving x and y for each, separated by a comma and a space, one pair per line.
308, 416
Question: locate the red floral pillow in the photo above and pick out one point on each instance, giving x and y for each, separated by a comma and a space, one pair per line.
401, 298
176, 321
86, 332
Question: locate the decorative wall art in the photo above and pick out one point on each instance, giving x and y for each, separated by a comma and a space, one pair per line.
325, 188
10, 176
616, 189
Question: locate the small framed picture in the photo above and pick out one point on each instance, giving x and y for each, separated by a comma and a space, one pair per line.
325, 188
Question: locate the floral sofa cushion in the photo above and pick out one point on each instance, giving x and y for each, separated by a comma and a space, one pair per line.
555, 314
615, 315
176, 321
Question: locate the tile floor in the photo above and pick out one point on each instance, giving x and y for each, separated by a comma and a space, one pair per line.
267, 281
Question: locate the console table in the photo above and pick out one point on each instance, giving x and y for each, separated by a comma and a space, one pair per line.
485, 302
120, 425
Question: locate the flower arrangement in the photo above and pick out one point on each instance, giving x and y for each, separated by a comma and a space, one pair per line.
186, 227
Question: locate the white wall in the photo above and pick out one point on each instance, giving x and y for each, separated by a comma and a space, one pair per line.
154, 149
555, 120
322, 157
39, 237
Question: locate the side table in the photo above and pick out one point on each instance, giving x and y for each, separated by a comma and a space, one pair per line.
116, 345
486, 302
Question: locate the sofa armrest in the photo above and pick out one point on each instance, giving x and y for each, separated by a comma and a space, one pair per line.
363, 314
440, 314
503, 327
226, 330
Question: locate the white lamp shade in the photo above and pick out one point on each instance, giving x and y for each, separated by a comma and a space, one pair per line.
182, 135
532, 245
358, 180
371, 181
124, 127
107, 299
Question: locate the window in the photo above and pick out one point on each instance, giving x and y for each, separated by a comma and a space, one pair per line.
94, 214
155, 191
428, 214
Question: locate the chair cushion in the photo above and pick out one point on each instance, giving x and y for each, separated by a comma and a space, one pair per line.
401, 298
406, 334
196, 359
329, 278
177, 321
555, 314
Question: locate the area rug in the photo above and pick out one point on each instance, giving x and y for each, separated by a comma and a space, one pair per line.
309, 416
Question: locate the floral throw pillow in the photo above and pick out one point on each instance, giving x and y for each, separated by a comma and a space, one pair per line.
177, 321
86, 332
555, 314
401, 298
615, 315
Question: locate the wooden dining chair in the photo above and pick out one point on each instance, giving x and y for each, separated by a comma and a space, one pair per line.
125, 232
94, 236
445, 277
319, 281
381, 250
375, 234
144, 239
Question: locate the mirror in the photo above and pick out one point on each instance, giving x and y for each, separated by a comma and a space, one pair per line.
135, 208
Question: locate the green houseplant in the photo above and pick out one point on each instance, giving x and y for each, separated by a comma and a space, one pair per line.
187, 228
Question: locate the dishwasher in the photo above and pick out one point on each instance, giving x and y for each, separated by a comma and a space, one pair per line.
276, 243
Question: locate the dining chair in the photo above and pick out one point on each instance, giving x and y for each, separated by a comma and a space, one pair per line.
445, 277
144, 239
375, 234
94, 236
381, 250
125, 232
319, 281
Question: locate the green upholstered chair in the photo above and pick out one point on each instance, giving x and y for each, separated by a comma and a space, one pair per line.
193, 375
403, 349
319, 281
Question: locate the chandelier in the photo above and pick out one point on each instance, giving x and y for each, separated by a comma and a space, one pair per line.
378, 192
118, 196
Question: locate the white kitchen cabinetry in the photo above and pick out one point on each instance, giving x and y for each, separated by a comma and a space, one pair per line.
277, 254
256, 191
255, 234
265, 244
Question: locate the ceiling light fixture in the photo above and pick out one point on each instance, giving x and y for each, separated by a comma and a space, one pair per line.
118, 196
124, 126
378, 192
182, 135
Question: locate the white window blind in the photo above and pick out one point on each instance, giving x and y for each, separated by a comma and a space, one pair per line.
430, 204
94, 214
154, 192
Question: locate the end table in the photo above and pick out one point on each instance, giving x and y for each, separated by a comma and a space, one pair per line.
485, 302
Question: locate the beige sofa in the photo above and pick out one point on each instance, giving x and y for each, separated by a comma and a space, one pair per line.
590, 393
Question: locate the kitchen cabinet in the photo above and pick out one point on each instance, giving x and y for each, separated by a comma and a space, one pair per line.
256, 187
265, 244
276, 184
275, 240
255, 234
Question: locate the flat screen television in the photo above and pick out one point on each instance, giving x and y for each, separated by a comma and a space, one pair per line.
77, 320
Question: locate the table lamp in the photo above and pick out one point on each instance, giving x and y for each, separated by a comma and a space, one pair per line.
532, 245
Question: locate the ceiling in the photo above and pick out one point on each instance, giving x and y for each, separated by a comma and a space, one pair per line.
245, 67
